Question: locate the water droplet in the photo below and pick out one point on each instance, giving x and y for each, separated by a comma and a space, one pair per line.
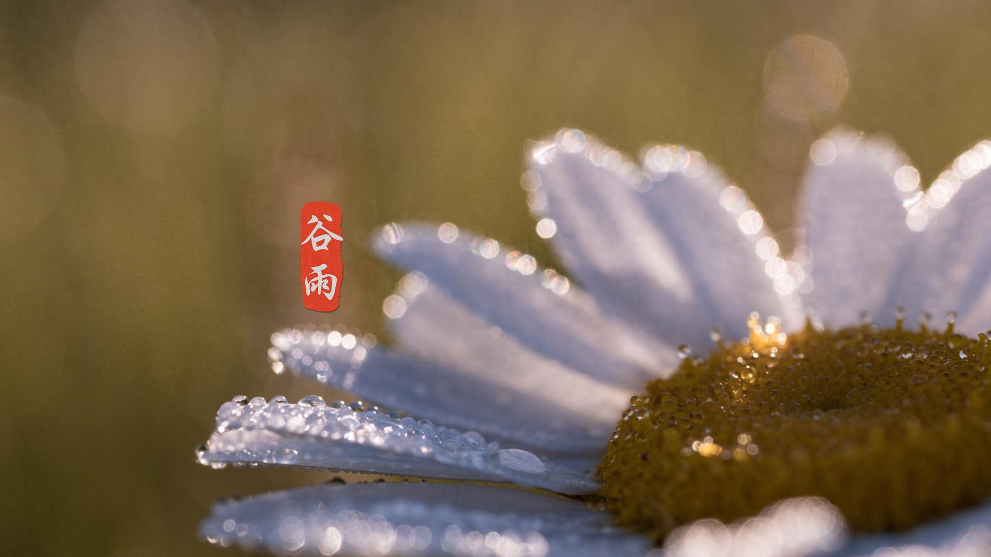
357, 406
866, 318
517, 459
684, 351
716, 334
279, 399
312, 401
394, 307
447, 232
546, 228
531, 180
240, 400
823, 152
392, 233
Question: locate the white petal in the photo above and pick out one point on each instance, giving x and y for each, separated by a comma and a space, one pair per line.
655, 246
976, 315
951, 266
538, 307
404, 519
721, 239
965, 534
792, 528
855, 226
442, 394
435, 328
314, 435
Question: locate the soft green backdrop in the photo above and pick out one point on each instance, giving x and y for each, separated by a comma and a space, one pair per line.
154, 156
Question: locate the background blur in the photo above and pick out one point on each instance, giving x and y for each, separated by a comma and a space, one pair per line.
154, 155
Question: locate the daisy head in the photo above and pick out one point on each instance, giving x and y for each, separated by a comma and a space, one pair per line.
686, 388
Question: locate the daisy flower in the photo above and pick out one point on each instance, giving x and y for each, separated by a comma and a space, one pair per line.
844, 422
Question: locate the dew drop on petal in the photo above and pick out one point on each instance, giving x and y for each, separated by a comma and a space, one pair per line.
751, 222
546, 228
489, 249
392, 233
447, 232
907, 178
312, 401
349, 341
767, 248
394, 307
531, 180
733, 199
571, 140
823, 152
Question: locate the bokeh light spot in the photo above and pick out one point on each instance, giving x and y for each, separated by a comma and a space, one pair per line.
805, 77
32, 168
146, 65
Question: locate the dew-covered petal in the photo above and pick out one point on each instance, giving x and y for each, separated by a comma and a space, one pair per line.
735, 265
965, 534
856, 229
670, 247
437, 329
978, 312
406, 519
950, 269
314, 435
446, 395
540, 308
792, 528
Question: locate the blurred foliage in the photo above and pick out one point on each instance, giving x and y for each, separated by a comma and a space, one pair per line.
155, 156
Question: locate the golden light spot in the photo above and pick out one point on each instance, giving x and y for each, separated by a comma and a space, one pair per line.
892, 426
146, 65
805, 77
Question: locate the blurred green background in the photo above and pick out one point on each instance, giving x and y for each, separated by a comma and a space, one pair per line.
154, 155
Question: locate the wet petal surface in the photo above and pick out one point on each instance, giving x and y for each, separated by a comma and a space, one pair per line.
417, 519
950, 268
446, 395
965, 534
671, 247
538, 307
312, 434
436, 329
856, 228
800, 527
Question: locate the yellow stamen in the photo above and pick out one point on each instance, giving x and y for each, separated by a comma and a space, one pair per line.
893, 426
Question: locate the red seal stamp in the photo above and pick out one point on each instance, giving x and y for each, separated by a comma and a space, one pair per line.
321, 268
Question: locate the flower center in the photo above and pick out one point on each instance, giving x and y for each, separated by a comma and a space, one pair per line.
893, 426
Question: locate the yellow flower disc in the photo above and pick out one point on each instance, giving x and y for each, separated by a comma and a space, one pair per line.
892, 426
